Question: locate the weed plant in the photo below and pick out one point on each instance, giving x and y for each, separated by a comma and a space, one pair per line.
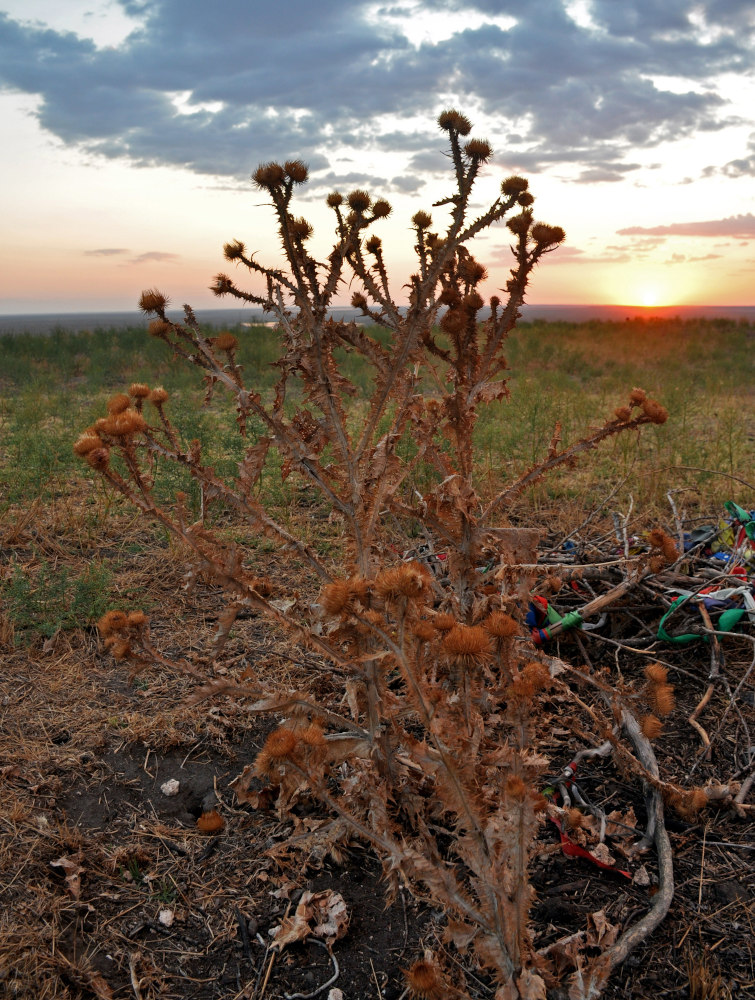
430, 747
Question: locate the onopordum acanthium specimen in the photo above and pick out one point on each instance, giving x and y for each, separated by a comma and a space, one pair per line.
429, 747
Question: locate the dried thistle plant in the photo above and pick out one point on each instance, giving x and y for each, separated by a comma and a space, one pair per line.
437, 760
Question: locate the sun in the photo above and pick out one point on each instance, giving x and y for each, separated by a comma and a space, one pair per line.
648, 297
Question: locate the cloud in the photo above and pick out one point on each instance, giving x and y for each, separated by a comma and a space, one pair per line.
153, 256
742, 167
742, 226
105, 252
216, 88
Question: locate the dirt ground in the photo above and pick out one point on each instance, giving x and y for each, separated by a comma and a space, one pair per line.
110, 890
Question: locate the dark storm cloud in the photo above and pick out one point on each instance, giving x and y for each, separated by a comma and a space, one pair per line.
742, 226
275, 81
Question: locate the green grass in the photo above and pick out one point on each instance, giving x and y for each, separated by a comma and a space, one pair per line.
52, 387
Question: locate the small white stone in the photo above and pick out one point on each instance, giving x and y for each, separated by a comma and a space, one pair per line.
641, 876
170, 787
335, 994
166, 917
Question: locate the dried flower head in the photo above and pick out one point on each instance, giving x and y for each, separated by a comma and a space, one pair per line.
381, 209
278, 748
118, 403
467, 646
210, 822
525, 199
158, 395
373, 244
520, 224
313, 735
452, 120
225, 341
637, 396
410, 580
545, 235
334, 199
514, 185
661, 698
501, 625
335, 597
112, 621
99, 458
424, 631
138, 390
268, 176
86, 442
422, 220
159, 328
221, 285
120, 649
358, 301
656, 672
136, 619
654, 411
478, 150
151, 300
300, 229
296, 170
472, 271
233, 250
425, 980
688, 803
623, 413
359, 200
651, 726
444, 622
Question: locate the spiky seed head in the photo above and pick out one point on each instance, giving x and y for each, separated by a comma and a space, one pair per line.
651, 726
300, 229
127, 423
98, 458
359, 201
545, 235
87, 442
661, 699
452, 120
278, 748
525, 199
210, 822
478, 150
657, 413
514, 185
335, 597
656, 673
234, 250
473, 302
472, 271
467, 645
136, 619
637, 396
296, 170
358, 301
623, 413
425, 981
501, 625
118, 403
151, 301
688, 803
422, 220
112, 621
138, 390
424, 631
158, 396
520, 224
158, 328
444, 622
334, 199
120, 649
225, 341
269, 175
381, 209
313, 735
373, 244
221, 285
411, 580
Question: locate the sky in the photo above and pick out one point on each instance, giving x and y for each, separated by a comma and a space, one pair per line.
131, 127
